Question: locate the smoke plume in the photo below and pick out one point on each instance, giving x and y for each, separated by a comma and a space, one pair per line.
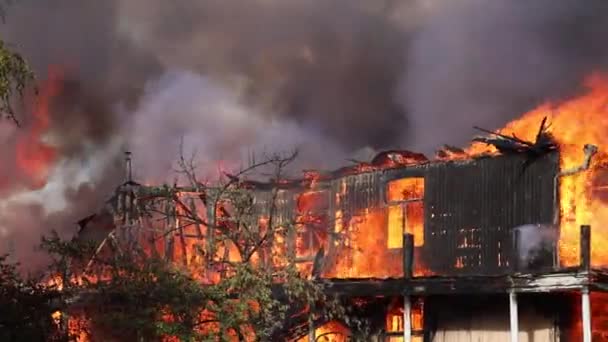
535, 245
483, 63
334, 78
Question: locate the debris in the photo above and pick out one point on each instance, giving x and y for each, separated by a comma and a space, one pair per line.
505, 144
451, 152
398, 158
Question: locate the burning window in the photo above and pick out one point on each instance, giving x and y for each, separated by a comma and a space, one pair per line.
331, 331
406, 211
394, 321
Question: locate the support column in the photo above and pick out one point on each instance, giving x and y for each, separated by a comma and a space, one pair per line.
312, 336
585, 251
128, 168
514, 316
407, 319
585, 248
408, 256
408, 265
586, 304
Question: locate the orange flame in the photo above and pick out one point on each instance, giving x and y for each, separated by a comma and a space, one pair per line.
575, 122
407, 215
394, 319
33, 156
370, 249
332, 331
363, 252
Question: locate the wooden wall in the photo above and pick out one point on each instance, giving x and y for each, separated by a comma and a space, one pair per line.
486, 319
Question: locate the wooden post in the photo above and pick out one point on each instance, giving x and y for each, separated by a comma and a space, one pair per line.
407, 319
408, 265
128, 169
585, 248
514, 316
408, 255
586, 304
311, 330
210, 237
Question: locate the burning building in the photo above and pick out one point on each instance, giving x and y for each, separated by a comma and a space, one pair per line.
476, 245
495, 223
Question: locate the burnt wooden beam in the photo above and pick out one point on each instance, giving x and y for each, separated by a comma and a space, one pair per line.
408, 255
585, 248
366, 287
598, 279
318, 262
521, 283
570, 280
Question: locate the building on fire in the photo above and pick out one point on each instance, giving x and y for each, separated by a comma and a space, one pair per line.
460, 248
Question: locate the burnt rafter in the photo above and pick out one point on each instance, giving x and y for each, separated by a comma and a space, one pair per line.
398, 158
505, 144
270, 185
384, 160
544, 143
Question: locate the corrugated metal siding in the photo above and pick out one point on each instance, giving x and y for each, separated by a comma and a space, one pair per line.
362, 191
472, 207
285, 205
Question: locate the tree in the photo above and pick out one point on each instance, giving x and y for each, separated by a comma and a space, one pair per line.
27, 306
27, 303
248, 288
15, 75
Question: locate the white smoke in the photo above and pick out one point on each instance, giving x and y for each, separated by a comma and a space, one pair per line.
186, 109
534, 242
332, 78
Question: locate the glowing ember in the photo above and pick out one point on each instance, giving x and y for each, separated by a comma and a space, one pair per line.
78, 326
581, 120
599, 321
599, 307
56, 316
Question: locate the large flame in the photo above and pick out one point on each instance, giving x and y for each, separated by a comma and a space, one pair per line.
574, 123
34, 156
407, 214
371, 240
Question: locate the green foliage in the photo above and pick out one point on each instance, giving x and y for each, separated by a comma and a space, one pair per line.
15, 75
26, 306
136, 297
132, 295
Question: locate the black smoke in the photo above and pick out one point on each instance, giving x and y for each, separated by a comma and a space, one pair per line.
334, 77
484, 63
332, 66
